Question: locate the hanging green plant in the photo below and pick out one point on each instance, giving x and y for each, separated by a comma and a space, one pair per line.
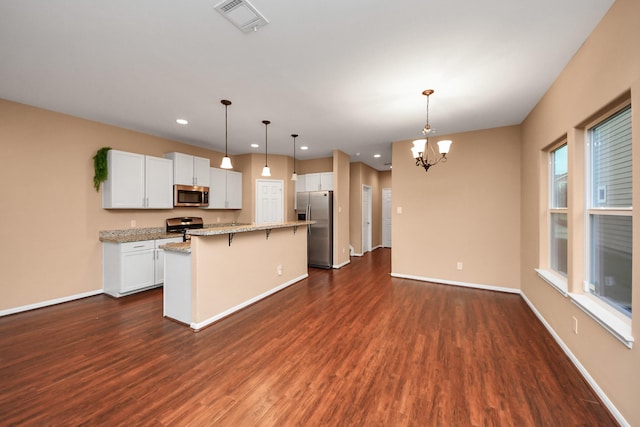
101, 171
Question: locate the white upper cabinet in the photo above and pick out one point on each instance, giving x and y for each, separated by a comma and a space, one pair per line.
136, 181
217, 188
326, 181
312, 182
201, 168
189, 170
234, 190
301, 183
315, 182
158, 183
225, 189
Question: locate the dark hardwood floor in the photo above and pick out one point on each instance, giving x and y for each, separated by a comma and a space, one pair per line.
344, 347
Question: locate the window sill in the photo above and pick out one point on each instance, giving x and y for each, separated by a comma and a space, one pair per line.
559, 283
612, 323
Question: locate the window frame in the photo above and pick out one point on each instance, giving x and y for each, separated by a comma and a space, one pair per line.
591, 211
606, 315
553, 207
552, 277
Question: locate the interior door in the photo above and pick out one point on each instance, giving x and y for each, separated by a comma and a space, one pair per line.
386, 217
269, 201
366, 218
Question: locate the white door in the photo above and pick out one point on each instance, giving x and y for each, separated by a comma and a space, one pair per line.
269, 201
366, 218
386, 217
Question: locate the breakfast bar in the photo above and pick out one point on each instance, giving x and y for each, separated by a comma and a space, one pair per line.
224, 269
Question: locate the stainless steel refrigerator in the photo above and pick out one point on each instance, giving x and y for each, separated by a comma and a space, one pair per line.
317, 206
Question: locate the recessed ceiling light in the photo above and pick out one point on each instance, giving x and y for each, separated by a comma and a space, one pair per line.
182, 121
304, 147
254, 146
376, 156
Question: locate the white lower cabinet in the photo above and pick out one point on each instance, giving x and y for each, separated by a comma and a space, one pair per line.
159, 273
177, 287
133, 266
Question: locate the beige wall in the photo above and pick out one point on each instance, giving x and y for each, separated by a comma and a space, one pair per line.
606, 67
341, 208
465, 210
384, 178
50, 210
324, 164
281, 169
362, 174
226, 276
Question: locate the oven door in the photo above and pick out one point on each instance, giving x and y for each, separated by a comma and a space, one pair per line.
187, 195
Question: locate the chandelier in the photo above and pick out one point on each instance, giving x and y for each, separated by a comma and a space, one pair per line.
421, 146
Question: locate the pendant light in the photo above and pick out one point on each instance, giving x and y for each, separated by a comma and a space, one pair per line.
294, 176
226, 161
265, 170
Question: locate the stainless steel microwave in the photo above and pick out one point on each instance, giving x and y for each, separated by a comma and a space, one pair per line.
190, 195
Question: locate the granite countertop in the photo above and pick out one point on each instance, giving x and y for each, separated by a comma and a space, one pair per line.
136, 235
244, 228
151, 233
185, 247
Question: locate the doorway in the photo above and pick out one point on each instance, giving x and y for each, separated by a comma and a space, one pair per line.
269, 201
386, 217
366, 219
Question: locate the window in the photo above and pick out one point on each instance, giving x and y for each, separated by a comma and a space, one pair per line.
558, 210
609, 211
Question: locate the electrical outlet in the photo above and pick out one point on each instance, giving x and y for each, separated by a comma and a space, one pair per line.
399, 209
575, 325
459, 265
133, 223
279, 269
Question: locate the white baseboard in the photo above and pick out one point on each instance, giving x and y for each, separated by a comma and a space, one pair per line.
49, 302
454, 283
200, 325
342, 265
585, 374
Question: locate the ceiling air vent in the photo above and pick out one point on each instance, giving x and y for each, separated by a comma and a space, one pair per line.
242, 14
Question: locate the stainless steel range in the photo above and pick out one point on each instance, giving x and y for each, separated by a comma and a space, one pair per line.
182, 224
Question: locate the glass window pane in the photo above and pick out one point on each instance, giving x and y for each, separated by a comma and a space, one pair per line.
559, 177
610, 260
559, 243
611, 162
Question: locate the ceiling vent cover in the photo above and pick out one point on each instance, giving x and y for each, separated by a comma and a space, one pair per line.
242, 14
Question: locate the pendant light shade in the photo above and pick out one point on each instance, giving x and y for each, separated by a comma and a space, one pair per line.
294, 176
265, 170
226, 161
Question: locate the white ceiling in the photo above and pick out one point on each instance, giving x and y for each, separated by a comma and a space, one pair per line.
344, 75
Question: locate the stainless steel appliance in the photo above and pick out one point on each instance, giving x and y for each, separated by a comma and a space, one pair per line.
318, 206
182, 224
190, 195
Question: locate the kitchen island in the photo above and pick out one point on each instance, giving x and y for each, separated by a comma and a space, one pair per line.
224, 269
